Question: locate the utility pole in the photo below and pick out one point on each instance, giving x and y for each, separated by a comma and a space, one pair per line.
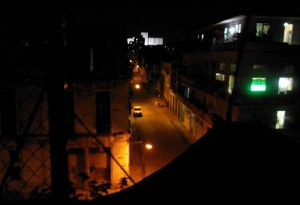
54, 55
240, 51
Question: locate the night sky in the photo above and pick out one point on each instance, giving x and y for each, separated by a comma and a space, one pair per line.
170, 15
159, 18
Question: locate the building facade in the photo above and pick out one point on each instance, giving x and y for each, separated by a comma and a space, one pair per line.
95, 113
245, 68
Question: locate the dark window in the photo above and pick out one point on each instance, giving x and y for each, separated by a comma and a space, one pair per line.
69, 114
8, 114
103, 112
15, 173
12, 154
102, 172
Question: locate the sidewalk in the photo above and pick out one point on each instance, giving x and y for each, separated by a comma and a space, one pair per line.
188, 136
136, 166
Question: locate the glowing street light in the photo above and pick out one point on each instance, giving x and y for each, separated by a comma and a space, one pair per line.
137, 86
148, 146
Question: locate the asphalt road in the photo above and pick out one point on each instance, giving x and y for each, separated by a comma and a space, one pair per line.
159, 128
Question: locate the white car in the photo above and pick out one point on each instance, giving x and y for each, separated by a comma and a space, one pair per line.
137, 111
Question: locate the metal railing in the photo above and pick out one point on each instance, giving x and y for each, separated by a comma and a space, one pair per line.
25, 159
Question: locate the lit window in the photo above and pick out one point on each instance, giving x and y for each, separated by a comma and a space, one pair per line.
231, 30
187, 93
220, 77
239, 28
288, 32
230, 84
285, 85
263, 29
280, 119
258, 84
226, 37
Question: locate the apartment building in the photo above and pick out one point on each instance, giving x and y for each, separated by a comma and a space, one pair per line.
94, 112
245, 68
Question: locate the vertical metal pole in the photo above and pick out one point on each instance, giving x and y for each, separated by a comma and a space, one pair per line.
58, 141
240, 50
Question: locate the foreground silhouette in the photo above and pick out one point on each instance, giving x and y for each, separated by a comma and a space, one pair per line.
233, 163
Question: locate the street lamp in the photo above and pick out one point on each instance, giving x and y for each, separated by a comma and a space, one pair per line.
137, 86
148, 146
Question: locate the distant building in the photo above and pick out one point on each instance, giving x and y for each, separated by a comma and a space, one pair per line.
148, 41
